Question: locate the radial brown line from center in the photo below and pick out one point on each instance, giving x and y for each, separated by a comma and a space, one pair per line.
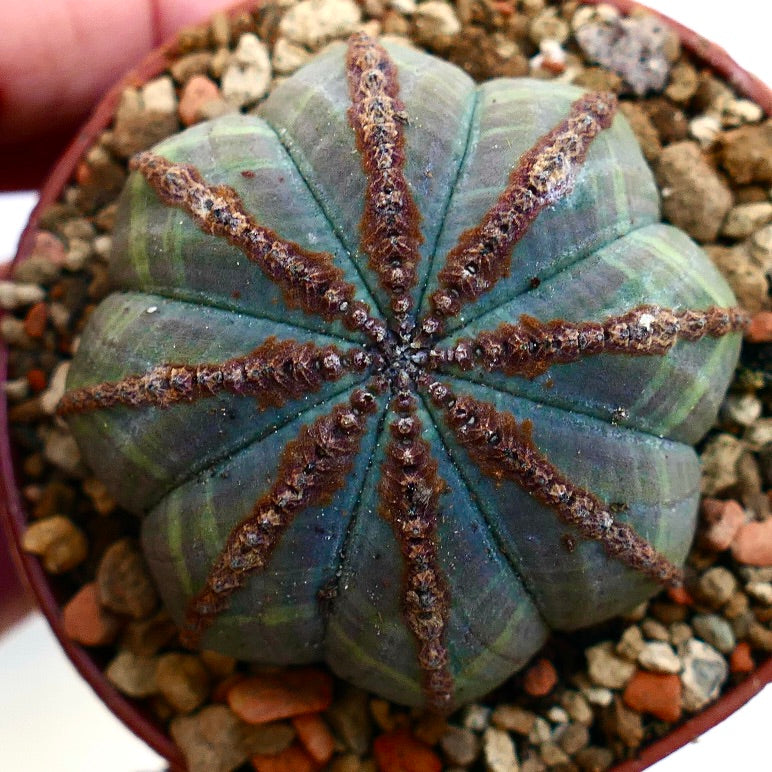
409, 491
504, 449
274, 373
544, 174
531, 347
391, 235
312, 468
308, 280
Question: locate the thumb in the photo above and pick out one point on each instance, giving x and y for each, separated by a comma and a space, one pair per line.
58, 58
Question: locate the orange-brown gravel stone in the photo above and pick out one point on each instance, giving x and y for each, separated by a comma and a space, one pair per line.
540, 678
399, 751
656, 693
271, 696
292, 759
86, 622
741, 660
753, 544
315, 736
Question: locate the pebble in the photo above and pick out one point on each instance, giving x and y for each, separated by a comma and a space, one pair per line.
746, 278
541, 732
460, 746
400, 751
715, 630
215, 740
741, 659
219, 665
137, 128
760, 636
197, 92
247, 78
721, 520
552, 754
42, 266
744, 219
288, 57
124, 583
753, 543
540, 678
558, 715
147, 636
272, 696
684, 81
351, 720
655, 630
476, 717
693, 196
594, 759
313, 23
719, 463
186, 67
49, 399
717, 585
659, 657
315, 736
499, 751
680, 632
743, 409
132, 674
605, 668
761, 247
624, 723
746, 154
638, 48
760, 433
158, 96
573, 738
705, 129
94, 488
739, 111
656, 693
577, 706
59, 543
183, 681
62, 451
548, 25
704, 673
760, 591
17, 294
435, 19
86, 621
513, 718
291, 759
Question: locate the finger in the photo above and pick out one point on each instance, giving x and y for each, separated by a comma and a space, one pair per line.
58, 58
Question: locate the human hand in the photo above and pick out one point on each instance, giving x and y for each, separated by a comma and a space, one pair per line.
58, 57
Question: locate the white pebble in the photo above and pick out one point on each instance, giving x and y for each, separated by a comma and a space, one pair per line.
313, 23
439, 17
761, 591
13, 295
247, 78
705, 129
288, 57
659, 657
49, 399
158, 95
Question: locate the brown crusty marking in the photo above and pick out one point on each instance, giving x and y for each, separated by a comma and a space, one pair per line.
542, 176
275, 372
308, 280
531, 347
312, 468
391, 235
409, 491
503, 449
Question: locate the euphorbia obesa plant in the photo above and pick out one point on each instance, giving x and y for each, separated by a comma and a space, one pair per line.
403, 373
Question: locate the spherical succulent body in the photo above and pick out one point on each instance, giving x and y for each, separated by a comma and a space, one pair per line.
403, 373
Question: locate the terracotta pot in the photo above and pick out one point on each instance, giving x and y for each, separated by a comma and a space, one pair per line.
13, 600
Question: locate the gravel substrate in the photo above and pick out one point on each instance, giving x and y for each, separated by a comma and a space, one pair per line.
588, 699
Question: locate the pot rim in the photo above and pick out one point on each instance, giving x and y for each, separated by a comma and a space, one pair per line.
11, 509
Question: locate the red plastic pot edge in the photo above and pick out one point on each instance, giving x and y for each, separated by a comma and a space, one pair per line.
11, 512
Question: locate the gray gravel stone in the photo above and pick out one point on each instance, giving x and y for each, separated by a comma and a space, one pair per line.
715, 630
716, 586
704, 673
313, 23
460, 746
